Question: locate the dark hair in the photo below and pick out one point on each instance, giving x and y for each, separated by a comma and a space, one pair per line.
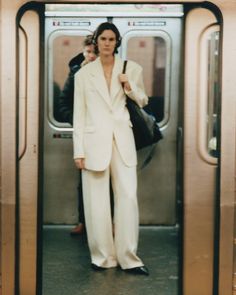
88, 40
100, 29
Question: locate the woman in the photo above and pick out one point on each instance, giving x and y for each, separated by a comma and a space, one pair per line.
104, 147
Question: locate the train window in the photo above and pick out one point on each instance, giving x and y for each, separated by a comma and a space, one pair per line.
64, 49
152, 54
213, 92
209, 94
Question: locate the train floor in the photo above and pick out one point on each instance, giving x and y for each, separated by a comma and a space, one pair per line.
67, 271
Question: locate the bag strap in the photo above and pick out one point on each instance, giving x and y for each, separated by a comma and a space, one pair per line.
124, 66
123, 71
153, 147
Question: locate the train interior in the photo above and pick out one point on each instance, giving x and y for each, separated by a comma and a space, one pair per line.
153, 36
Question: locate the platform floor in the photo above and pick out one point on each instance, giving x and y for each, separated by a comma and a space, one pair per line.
66, 265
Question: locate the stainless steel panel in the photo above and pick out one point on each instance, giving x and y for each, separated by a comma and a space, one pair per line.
199, 172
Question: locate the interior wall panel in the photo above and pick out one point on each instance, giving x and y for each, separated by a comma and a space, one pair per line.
28, 155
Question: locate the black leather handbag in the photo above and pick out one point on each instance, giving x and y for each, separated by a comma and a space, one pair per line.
145, 128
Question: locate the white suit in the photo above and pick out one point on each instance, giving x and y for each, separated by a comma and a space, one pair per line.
103, 136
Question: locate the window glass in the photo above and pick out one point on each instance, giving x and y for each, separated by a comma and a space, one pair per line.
150, 53
64, 48
213, 93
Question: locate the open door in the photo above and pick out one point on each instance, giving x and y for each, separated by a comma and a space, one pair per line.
201, 139
28, 152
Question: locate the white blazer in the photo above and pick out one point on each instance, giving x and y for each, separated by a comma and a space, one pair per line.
100, 116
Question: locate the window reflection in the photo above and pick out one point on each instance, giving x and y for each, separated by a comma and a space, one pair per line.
213, 93
150, 53
65, 47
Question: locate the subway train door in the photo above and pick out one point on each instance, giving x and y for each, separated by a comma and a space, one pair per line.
64, 40
152, 38
201, 153
155, 43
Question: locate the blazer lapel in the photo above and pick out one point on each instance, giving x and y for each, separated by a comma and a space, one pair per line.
99, 81
115, 83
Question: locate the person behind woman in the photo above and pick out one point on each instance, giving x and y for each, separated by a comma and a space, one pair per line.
104, 147
65, 110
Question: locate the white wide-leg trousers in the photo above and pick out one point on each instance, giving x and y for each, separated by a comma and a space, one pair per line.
105, 250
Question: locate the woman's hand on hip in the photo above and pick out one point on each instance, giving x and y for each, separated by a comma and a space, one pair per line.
79, 163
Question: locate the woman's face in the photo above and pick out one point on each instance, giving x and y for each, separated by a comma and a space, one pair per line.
106, 43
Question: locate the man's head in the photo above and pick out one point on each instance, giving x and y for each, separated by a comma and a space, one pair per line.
89, 50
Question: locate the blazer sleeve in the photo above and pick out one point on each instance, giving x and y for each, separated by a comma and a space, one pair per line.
79, 117
135, 76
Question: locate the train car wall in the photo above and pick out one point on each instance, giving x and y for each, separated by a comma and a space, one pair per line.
8, 158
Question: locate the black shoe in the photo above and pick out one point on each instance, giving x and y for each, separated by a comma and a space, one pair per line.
141, 270
97, 268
